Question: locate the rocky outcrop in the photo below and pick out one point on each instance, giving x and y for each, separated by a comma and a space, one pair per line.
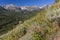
12, 7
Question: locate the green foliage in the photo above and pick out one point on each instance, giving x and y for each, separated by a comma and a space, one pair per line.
9, 19
36, 37
46, 27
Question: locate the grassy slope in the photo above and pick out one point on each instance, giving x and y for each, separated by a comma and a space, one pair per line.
48, 27
12, 18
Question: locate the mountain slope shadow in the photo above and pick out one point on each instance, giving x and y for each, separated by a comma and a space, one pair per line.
9, 19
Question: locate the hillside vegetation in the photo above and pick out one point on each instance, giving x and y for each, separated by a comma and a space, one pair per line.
33, 25
10, 19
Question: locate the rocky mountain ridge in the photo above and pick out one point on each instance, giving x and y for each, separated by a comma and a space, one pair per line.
12, 7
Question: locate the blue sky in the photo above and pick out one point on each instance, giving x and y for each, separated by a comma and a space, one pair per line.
26, 2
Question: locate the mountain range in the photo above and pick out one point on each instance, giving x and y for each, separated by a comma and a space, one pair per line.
12, 7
